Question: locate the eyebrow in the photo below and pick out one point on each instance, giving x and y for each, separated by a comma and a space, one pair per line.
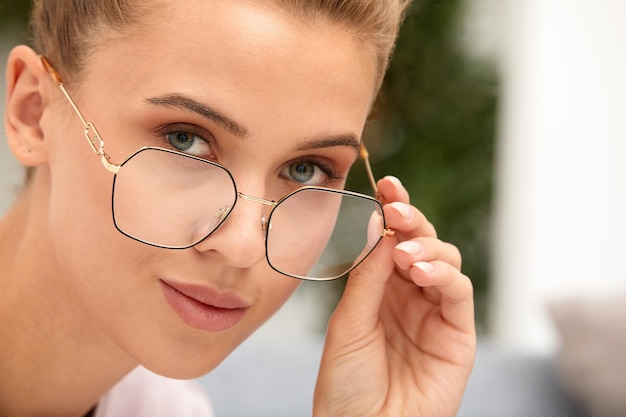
346, 139
182, 102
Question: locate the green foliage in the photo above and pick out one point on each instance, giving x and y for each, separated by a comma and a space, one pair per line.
434, 128
14, 12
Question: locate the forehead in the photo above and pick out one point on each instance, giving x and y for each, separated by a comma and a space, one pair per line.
239, 47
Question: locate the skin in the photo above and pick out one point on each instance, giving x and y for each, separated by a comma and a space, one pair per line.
82, 303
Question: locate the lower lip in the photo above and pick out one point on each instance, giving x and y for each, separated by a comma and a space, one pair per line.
199, 315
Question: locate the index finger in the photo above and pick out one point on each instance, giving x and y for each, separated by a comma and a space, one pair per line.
391, 189
405, 219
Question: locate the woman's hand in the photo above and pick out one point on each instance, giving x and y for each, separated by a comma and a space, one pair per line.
402, 339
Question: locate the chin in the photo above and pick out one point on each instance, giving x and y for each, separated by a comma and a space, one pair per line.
188, 360
184, 368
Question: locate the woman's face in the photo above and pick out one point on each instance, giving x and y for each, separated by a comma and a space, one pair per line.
278, 102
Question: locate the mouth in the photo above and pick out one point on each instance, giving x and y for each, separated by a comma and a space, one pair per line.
203, 307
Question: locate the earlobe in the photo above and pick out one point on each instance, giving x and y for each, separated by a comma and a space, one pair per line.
25, 106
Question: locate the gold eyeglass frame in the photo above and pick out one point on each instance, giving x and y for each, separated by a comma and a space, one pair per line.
97, 144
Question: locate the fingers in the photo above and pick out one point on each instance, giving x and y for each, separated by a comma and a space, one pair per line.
407, 221
415, 254
402, 217
425, 249
451, 283
391, 189
365, 288
435, 266
357, 312
430, 263
445, 285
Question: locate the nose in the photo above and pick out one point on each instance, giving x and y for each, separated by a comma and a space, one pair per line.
241, 238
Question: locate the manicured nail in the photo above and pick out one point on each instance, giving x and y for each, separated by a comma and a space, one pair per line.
410, 246
374, 229
404, 209
425, 266
395, 180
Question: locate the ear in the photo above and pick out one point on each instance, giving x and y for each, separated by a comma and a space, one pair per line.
25, 82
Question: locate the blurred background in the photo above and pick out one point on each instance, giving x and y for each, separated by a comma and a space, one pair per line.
504, 120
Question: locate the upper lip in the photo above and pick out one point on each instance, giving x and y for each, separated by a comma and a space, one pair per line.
208, 295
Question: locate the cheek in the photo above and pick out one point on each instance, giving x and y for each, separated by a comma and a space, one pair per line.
79, 185
279, 289
99, 265
80, 208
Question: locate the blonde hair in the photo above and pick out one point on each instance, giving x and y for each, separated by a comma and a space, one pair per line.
66, 30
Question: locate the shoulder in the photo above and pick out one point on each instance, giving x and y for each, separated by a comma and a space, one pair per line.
144, 393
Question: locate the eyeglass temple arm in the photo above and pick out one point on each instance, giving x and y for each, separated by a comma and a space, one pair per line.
370, 175
56, 77
91, 133
368, 168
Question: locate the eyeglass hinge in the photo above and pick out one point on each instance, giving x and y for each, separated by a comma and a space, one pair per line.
96, 143
97, 146
105, 159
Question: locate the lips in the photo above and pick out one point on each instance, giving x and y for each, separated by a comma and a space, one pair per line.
203, 307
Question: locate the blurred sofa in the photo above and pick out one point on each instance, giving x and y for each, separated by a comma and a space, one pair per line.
506, 383
278, 382
274, 375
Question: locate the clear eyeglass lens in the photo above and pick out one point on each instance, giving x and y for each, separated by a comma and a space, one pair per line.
170, 200
321, 235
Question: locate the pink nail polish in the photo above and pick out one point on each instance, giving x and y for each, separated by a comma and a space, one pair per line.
395, 180
409, 246
404, 209
425, 266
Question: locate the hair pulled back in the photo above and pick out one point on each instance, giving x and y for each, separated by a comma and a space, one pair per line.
66, 30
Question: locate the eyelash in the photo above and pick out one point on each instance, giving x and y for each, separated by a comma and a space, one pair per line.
333, 177
162, 132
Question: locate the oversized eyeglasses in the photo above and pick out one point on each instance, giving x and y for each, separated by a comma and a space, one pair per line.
174, 200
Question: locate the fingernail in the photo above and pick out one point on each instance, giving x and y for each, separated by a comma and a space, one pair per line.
374, 230
404, 209
409, 246
395, 180
425, 266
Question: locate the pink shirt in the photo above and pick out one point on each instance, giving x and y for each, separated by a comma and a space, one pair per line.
143, 393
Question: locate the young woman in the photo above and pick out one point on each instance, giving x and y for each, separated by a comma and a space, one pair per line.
186, 165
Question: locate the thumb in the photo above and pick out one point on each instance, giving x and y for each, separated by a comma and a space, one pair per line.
361, 300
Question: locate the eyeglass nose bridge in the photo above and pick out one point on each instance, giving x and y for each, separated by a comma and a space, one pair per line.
265, 224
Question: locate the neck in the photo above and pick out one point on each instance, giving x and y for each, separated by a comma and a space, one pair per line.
53, 360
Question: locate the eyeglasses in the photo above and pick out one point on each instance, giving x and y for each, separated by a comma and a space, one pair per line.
174, 200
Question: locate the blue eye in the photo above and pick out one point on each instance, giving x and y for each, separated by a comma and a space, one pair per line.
187, 142
305, 173
302, 171
180, 140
